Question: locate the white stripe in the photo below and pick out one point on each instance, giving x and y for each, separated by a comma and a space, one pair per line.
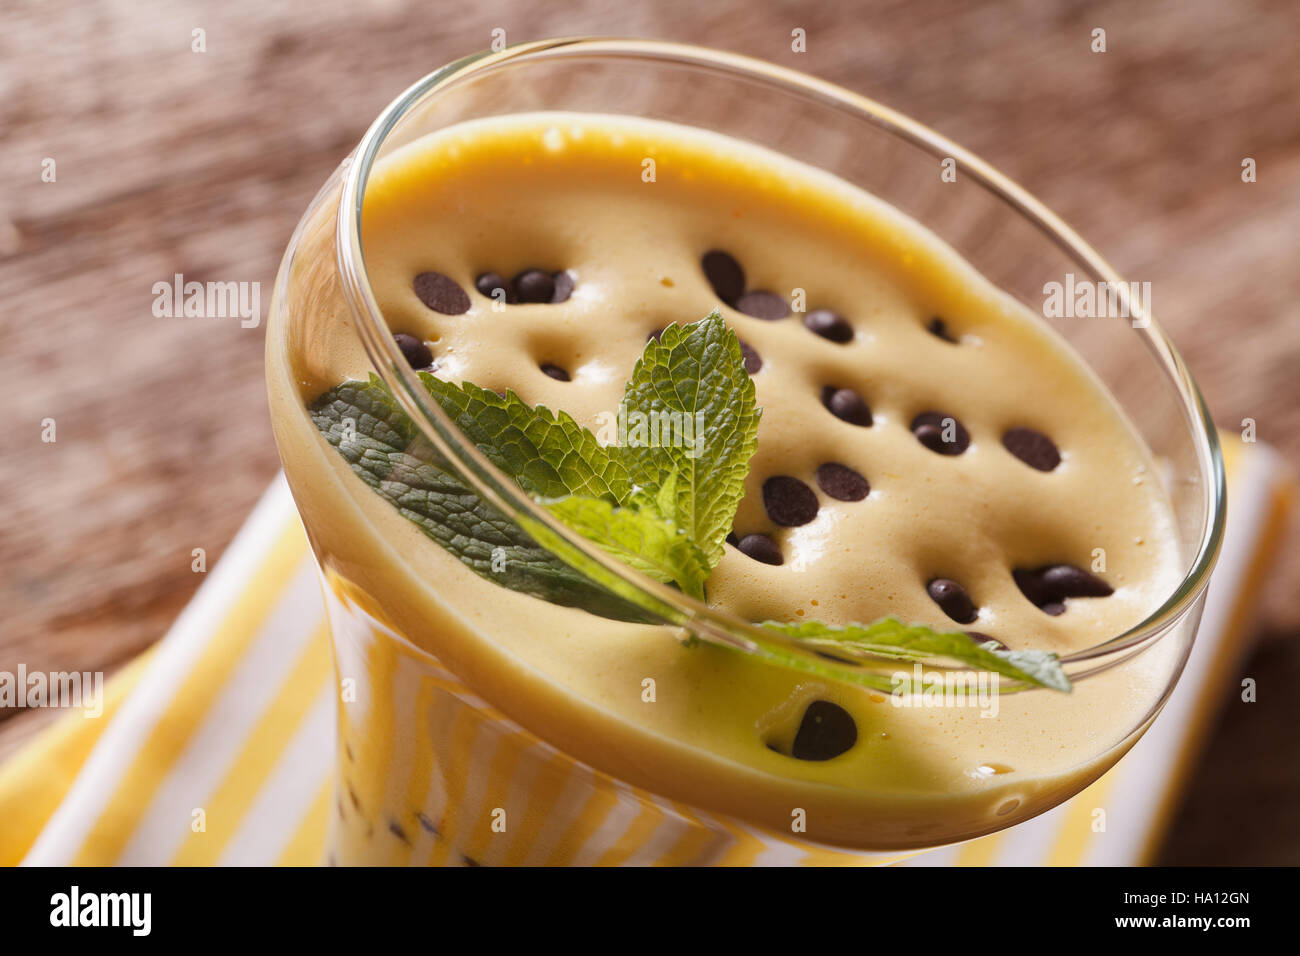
212, 752
617, 823
671, 828
101, 775
774, 852
287, 796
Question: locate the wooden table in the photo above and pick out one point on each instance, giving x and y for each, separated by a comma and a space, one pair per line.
169, 160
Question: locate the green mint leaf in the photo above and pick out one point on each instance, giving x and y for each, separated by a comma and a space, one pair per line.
649, 543
691, 383
916, 642
582, 483
548, 453
386, 451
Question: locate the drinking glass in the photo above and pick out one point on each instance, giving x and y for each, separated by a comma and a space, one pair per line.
427, 768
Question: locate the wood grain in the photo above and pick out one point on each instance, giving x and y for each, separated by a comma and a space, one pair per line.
169, 161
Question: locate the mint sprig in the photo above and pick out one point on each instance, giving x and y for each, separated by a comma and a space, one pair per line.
662, 507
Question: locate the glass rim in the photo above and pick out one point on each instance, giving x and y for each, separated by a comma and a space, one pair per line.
676, 608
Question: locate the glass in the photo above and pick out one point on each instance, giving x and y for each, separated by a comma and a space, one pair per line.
424, 763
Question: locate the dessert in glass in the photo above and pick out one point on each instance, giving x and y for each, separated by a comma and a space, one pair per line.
532, 228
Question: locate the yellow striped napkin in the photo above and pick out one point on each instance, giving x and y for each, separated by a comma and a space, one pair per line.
217, 746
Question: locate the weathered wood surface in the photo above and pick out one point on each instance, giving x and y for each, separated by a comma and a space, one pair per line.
173, 161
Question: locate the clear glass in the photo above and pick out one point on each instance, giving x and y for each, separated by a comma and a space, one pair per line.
424, 763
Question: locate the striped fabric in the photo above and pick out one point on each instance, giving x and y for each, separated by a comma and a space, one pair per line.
218, 745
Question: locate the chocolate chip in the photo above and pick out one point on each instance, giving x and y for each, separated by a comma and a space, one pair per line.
441, 293
931, 436
846, 405
416, 352
1070, 581
753, 361
763, 305
555, 372
981, 638
563, 287
826, 731
952, 599
489, 282
724, 275
940, 433
828, 325
939, 329
789, 501
1048, 586
842, 482
1033, 448
761, 548
534, 285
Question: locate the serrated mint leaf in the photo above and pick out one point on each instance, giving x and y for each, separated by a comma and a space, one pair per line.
691, 382
916, 642
386, 451
547, 452
649, 543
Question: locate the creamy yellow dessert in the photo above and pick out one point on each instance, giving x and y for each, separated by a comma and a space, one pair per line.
928, 450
